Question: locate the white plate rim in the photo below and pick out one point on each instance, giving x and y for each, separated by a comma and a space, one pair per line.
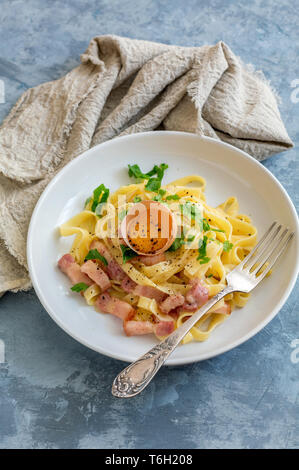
177, 361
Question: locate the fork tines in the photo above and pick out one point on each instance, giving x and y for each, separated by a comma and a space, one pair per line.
263, 256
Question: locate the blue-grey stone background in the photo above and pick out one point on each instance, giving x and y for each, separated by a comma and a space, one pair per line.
55, 393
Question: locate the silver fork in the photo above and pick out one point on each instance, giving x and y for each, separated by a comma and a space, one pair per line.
245, 277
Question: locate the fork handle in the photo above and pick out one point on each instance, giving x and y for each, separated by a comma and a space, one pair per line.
134, 378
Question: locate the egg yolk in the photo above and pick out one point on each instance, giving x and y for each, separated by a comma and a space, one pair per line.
149, 228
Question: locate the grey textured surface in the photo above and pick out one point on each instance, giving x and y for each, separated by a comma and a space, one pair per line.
55, 393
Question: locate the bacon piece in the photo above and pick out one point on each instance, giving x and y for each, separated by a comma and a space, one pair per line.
196, 297
128, 285
115, 272
133, 327
95, 273
144, 291
113, 269
198, 293
151, 260
117, 307
164, 328
150, 292
175, 313
171, 302
68, 266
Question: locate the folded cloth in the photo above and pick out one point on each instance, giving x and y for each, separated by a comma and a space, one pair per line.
124, 86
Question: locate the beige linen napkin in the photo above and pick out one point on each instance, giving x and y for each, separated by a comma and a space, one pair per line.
124, 86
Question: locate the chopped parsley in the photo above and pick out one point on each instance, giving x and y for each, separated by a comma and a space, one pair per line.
94, 254
202, 250
190, 238
172, 197
160, 194
178, 242
81, 286
204, 260
160, 170
217, 230
202, 246
210, 275
137, 199
154, 182
134, 171
205, 225
100, 196
127, 253
227, 246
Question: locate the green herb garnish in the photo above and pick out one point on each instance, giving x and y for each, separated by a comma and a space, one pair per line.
127, 253
178, 242
227, 246
191, 238
202, 249
105, 195
205, 225
204, 260
210, 275
160, 170
160, 194
153, 184
134, 171
217, 230
96, 196
81, 286
172, 197
137, 199
94, 254
100, 196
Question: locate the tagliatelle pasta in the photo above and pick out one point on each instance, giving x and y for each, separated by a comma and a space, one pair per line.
209, 244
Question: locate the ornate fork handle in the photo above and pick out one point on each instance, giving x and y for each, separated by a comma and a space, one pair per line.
134, 378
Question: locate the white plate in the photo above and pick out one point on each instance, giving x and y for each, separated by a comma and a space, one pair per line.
228, 171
